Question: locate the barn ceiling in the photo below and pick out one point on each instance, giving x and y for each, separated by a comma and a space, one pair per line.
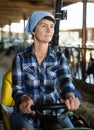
15, 10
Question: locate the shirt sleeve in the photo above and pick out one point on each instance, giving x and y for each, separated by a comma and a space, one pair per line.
17, 79
66, 80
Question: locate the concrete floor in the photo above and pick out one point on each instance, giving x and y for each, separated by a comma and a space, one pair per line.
2, 72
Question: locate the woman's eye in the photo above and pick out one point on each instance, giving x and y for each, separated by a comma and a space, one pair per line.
52, 26
43, 25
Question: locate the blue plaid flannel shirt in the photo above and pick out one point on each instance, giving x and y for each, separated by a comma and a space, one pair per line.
44, 83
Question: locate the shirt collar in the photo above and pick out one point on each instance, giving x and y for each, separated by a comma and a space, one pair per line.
50, 53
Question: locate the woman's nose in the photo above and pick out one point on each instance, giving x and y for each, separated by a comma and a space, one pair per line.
48, 29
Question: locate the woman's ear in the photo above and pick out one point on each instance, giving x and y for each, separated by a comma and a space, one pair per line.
33, 32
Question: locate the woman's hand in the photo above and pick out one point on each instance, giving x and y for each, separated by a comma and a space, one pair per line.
71, 102
26, 103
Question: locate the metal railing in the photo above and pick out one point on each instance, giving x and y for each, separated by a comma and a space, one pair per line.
74, 56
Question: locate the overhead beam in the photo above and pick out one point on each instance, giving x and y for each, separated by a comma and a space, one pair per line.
14, 10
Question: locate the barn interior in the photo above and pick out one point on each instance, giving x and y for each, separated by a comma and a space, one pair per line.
12, 11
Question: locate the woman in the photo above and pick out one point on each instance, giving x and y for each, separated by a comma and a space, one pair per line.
36, 72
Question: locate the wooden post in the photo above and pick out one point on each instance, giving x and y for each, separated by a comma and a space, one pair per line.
84, 38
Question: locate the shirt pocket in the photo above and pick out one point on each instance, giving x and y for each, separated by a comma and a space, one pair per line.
52, 72
29, 72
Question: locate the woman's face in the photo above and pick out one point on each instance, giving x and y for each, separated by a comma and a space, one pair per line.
44, 31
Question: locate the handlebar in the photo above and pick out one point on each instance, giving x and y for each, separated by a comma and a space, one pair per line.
55, 106
39, 108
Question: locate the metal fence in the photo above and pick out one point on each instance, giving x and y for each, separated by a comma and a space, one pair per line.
74, 56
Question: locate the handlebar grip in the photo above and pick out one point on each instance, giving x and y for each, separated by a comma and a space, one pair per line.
49, 106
